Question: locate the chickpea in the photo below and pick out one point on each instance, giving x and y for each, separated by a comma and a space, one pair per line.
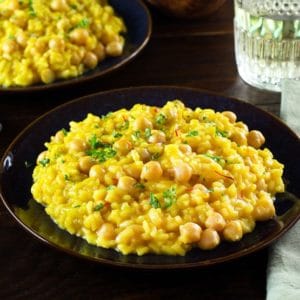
141, 123
76, 59
215, 221
107, 231
9, 46
77, 145
59, 5
57, 44
97, 171
126, 183
40, 46
99, 52
190, 232
13, 5
230, 115
41, 156
90, 60
239, 137
183, 172
185, 148
233, 231
63, 24
59, 137
144, 154
134, 169
255, 139
79, 36
47, 76
157, 136
85, 164
22, 39
242, 126
152, 170
209, 239
264, 210
114, 48
123, 145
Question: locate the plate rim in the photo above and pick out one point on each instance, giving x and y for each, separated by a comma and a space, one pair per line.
82, 79
200, 264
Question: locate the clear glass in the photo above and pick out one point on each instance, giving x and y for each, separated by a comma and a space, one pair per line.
267, 41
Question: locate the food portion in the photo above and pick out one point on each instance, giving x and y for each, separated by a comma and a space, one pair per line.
43, 41
158, 180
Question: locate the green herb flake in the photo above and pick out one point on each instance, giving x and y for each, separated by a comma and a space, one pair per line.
94, 142
27, 164
155, 156
44, 162
136, 135
76, 206
116, 134
161, 119
154, 201
125, 125
74, 6
64, 131
103, 117
169, 196
110, 187
32, 12
98, 207
67, 177
102, 154
148, 133
193, 133
216, 158
139, 186
221, 133
83, 23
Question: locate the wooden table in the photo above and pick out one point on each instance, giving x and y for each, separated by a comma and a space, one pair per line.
196, 54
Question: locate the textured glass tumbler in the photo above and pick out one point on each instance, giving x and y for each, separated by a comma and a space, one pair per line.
267, 41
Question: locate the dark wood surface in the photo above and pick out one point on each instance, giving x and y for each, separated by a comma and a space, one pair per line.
186, 53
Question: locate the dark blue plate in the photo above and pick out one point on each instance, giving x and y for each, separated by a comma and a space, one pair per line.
15, 178
139, 28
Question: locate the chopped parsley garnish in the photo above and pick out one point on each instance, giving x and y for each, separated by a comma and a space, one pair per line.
11, 37
155, 156
116, 134
110, 187
67, 177
27, 164
221, 133
148, 133
136, 135
76, 206
154, 201
125, 125
65, 132
102, 154
83, 23
193, 133
94, 142
44, 162
98, 207
32, 12
169, 196
216, 158
106, 116
161, 119
139, 185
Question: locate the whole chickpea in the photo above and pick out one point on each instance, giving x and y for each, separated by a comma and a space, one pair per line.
126, 183
9, 46
41, 156
114, 48
141, 123
107, 231
22, 39
255, 139
100, 52
79, 36
152, 170
239, 137
123, 146
90, 60
190, 232
185, 148
57, 44
183, 172
215, 221
77, 145
230, 115
59, 5
209, 239
97, 171
47, 76
233, 231
85, 163
157, 136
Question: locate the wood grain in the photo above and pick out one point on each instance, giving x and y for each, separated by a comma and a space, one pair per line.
186, 53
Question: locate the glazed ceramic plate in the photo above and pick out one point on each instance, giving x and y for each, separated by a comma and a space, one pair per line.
16, 179
139, 27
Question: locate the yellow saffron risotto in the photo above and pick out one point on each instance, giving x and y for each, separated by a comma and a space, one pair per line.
159, 180
42, 41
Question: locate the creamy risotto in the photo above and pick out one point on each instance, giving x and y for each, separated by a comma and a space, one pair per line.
42, 41
159, 180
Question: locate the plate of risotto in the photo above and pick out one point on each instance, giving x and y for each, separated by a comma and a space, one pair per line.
154, 178
46, 44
